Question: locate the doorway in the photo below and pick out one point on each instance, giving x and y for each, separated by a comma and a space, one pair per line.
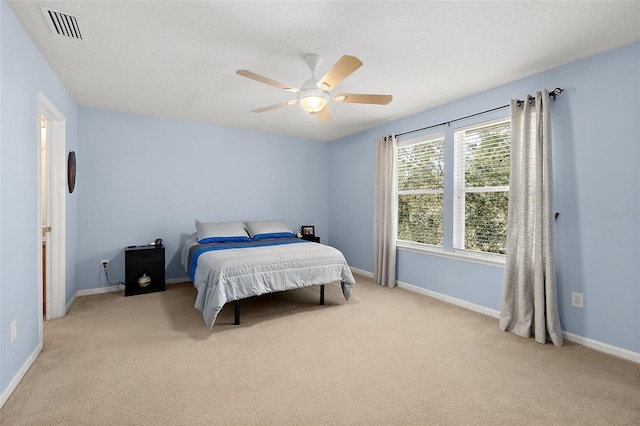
44, 218
52, 209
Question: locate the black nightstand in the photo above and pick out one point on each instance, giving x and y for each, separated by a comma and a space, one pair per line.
143, 260
311, 238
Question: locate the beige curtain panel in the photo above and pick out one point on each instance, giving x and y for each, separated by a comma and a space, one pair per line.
385, 221
529, 300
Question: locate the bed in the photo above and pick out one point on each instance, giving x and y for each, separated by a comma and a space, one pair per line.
231, 261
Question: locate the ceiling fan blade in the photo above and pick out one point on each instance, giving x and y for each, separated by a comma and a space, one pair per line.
265, 80
324, 115
275, 106
357, 98
339, 71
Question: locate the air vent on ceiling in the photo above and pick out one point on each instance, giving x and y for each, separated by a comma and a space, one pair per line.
63, 24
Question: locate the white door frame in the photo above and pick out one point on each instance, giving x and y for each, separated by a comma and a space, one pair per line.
56, 209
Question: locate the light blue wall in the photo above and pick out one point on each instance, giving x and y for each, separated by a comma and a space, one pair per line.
140, 178
24, 73
596, 134
144, 178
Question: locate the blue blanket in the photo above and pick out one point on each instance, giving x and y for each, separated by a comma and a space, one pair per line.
197, 250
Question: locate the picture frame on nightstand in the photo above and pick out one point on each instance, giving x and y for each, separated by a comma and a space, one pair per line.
308, 231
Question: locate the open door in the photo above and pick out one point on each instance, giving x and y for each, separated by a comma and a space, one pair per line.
53, 209
44, 212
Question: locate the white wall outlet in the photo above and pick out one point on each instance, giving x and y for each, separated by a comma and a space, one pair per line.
576, 299
104, 264
14, 330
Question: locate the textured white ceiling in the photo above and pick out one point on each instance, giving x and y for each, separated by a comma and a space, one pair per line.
177, 59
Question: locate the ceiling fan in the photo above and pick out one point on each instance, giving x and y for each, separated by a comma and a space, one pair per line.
314, 94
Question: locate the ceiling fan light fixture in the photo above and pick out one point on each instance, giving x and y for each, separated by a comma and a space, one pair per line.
313, 101
314, 94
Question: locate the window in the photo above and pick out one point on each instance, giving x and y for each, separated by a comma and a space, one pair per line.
421, 190
456, 206
481, 187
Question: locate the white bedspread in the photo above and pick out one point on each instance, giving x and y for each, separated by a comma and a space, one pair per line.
226, 275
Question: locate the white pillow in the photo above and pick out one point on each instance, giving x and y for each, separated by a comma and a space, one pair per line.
268, 229
221, 232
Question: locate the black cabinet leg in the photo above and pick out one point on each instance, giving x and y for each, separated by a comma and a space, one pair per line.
322, 294
237, 313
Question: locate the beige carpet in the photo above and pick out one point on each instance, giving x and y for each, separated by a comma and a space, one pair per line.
386, 357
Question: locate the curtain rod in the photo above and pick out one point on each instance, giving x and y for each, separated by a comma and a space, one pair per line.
552, 94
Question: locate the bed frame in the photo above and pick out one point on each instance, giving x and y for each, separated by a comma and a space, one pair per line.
236, 315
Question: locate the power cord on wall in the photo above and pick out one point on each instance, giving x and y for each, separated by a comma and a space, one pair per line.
114, 285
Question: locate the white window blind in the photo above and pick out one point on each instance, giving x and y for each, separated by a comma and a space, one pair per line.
481, 187
421, 190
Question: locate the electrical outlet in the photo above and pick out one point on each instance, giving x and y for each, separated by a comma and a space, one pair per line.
104, 264
14, 330
576, 299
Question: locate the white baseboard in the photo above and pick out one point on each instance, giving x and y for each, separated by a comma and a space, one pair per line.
454, 301
177, 280
71, 302
361, 272
584, 341
101, 290
4, 396
97, 290
602, 347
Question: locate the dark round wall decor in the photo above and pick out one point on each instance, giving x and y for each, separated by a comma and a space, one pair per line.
71, 171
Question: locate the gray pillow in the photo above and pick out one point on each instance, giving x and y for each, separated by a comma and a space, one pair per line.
221, 232
262, 229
